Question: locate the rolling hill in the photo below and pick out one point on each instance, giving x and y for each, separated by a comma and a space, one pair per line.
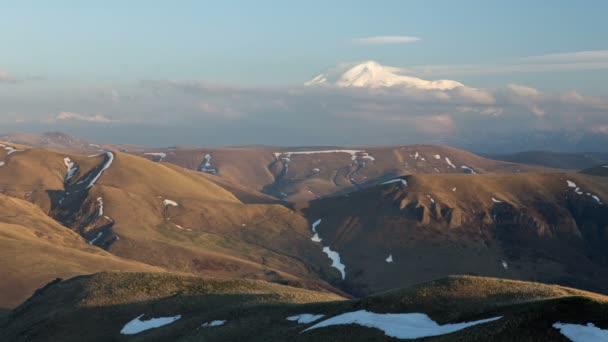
558, 160
547, 227
380, 219
144, 307
168, 217
35, 249
304, 173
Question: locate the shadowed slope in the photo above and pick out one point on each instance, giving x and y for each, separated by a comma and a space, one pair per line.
549, 227
98, 307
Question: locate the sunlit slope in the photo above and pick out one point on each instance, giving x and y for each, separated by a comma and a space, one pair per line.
34, 249
169, 217
305, 173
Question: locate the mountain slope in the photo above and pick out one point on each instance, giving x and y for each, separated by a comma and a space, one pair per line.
600, 170
559, 160
371, 74
99, 307
52, 140
548, 227
301, 174
34, 249
169, 217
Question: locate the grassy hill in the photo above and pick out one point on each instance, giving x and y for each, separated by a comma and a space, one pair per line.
307, 173
599, 170
34, 249
548, 227
558, 160
169, 217
97, 308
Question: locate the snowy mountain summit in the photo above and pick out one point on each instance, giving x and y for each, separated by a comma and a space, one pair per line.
371, 74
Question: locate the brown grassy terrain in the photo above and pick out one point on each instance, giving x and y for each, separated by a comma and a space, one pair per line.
449, 224
95, 308
210, 231
559, 160
34, 249
600, 170
309, 176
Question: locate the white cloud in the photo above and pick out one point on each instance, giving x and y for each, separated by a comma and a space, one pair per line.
83, 117
379, 40
577, 56
6, 77
568, 61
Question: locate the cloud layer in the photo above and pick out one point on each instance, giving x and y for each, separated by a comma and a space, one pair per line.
5, 77
512, 117
378, 40
83, 117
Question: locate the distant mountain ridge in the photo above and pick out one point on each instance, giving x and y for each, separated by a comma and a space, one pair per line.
371, 74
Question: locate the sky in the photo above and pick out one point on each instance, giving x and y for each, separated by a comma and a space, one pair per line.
232, 72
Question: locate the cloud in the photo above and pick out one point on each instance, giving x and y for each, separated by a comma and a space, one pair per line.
577, 57
511, 117
560, 62
381, 40
5, 77
82, 117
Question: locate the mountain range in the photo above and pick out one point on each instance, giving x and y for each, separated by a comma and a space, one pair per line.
95, 235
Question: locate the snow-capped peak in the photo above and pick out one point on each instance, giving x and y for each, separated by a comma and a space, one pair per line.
371, 74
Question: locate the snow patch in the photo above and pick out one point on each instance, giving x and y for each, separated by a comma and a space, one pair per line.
396, 180
366, 155
106, 165
11, 150
137, 325
353, 153
437, 156
571, 184
168, 202
215, 323
305, 318
72, 169
206, 165
402, 326
453, 189
100, 204
316, 237
2, 163
447, 160
335, 258
468, 169
582, 333
370, 74
160, 156
504, 264
597, 199
389, 259
495, 200
416, 155
92, 242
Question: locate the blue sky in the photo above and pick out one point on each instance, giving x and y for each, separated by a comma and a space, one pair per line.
90, 58
274, 42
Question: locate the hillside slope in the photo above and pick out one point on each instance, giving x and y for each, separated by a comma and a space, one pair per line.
558, 160
548, 227
301, 174
121, 307
34, 249
169, 217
